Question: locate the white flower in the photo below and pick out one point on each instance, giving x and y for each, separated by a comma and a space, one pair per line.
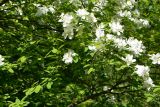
133, 1
144, 22
82, 13
116, 27
99, 4
124, 14
68, 32
51, 9
120, 43
135, 46
136, 12
68, 57
140, 22
92, 17
42, 10
127, 4
86, 15
66, 19
110, 37
142, 70
148, 83
129, 59
100, 31
155, 58
19, 10
1, 60
92, 48
105, 88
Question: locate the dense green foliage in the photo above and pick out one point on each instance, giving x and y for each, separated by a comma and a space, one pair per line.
35, 75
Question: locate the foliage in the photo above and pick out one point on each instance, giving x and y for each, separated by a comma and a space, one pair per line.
84, 53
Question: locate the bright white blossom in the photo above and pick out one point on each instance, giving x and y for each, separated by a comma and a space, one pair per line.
99, 4
68, 57
67, 24
148, 83
127, 4
142, 70
110, 37
136, 12
140, 22
19, 10
144, 22
105, 88
82, 13
66, 19
68, 32
100, 31
124, 13
129, 59
1, 60
92, 48
135, 46
116, 27
92, 17
41, 10
51, 9
120, 43
155, 58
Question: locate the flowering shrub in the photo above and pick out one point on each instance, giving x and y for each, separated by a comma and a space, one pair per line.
79, 53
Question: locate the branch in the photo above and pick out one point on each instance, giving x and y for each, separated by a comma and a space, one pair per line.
93, 96
31, 22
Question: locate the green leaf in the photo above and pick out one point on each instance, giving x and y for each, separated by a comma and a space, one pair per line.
10, 70
75, 59
22, 59
91, 70
87, 103
49, 85
29, 91
122, 67
149, 99
85, 49
156, 89
37, 88
92, 54
54, 50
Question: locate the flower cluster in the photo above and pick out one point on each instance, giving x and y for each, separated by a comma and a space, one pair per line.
100, 31
129, 59
92, 48
85, 15
66, 19
68, 57
135, 46
155, 58
68, 26
116, 27
99, 4
130, 44
116, 30
143, 71
41, 10
125, 12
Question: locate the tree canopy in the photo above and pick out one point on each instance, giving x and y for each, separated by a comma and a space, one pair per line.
79, 53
